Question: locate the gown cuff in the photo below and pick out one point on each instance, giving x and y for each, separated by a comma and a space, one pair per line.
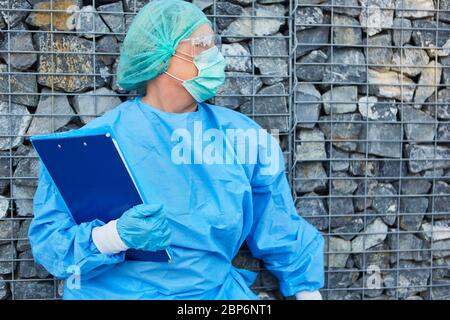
107, 239
308, 295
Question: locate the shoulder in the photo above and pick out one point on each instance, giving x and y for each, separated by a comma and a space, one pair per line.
109, 117
230, 118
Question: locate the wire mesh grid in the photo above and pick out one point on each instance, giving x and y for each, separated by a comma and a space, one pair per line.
357, 89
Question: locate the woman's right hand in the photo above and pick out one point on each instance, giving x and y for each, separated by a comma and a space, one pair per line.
144, 227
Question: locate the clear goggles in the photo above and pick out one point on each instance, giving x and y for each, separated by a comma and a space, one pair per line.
197, 45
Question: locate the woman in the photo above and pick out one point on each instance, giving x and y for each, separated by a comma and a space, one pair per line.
203, 210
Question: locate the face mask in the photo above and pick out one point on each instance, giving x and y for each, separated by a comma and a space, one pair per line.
211, 74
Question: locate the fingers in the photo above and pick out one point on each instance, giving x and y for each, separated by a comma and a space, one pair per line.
148, 210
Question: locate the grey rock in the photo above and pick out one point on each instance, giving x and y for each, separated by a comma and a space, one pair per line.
89, 24
429, 79
312, 38
402, 31
23, 199
418, 126
224, 9
441, 105
27, 170
7, 254
441, 200
19, 40
350, 230
4, 288
272, 69
237, 87
308, 17
311, 207
340, 99
380, 139
134, 5
72, 64
440, 289
268, 102
4, 206
380, 53
390, 170
424, 157
345, 127
346, 65
246, 27
347, 31
310, 176
107, 44
341, 209
339, 160
424, 33
441, 249
414, 8
443, 132
418, 186
342, 183
114, 18
94, 103
362, 166
375, 233
34, 290
410, 60
244, 259
242, 2
406, 279
444, 13
27, 268
24, 84
23, 243
390, 84
340, 278
311, 67
5, 167
412, 247
311, 145
238, 57
337, 252
377, 109
365, 187
413, 210
14, 121
307, 105
18, 12
372, 284
63, 17
348, 7
52, 113
384, 202
442, 269
376, 16
377, 256
9, 228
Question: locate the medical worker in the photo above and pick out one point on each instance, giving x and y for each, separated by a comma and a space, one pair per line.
203, 210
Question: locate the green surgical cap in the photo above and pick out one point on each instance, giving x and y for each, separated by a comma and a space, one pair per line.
152, 39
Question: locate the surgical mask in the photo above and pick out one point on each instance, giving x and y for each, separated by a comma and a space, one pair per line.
211, 74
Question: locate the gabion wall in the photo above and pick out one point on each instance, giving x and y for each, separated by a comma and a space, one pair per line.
357, 88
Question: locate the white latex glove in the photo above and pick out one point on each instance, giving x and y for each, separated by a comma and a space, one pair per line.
308, 295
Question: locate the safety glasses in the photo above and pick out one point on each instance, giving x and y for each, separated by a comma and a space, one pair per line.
200, 43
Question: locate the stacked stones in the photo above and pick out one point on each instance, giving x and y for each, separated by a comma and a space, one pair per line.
372, 152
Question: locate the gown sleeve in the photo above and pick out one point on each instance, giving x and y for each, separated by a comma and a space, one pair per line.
57, 242
290, 247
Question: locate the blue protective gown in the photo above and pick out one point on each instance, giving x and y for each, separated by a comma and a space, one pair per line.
212, 209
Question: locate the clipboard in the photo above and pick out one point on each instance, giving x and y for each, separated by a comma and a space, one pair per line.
94, 180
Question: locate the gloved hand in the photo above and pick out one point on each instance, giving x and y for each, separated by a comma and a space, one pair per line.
144, 227
308, 295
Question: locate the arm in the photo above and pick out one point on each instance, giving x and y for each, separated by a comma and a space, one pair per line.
57, 242
291, 248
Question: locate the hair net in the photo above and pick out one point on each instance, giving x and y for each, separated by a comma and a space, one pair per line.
153, 37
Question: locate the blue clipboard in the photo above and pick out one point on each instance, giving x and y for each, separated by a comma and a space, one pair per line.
94, 180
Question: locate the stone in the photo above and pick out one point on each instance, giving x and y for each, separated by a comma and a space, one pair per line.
4, 207
89, 24
272, 69
375, 233
244, 259
358, 165
5, 168
376, 15
377, 109
338, 252
390, 84
307, 105
445, 61
18, 11
381, 139
402, 31
391, 170
347, 31
134, 5
412, 211
342, 183
4, 288
311, 67
63, 19
63, 63
91, 104
311, 207
23, 243
104, 45
310, 145
377, 256
27, 170
439, 290
441, 249
309, 177
346, 65
9, 229
362, 198
345, 127
425, 157
222, 10
114, 18
339, 278
308, 17
23, 85
443, 132
14, 121
27, 268
379, 52
350, 230
429, 79
424, 35
418, 126
444, 10
441, 105
348, 7
414, 8
312, 38
340, 207
24, 290
340, 100
412, 247
415, 185
237, 56
440, 230
52, 113
384, 202
247, 26
411, 61
23, 199
441, 200
238, 85
18, 40
406, 278
7, 255
269, 100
